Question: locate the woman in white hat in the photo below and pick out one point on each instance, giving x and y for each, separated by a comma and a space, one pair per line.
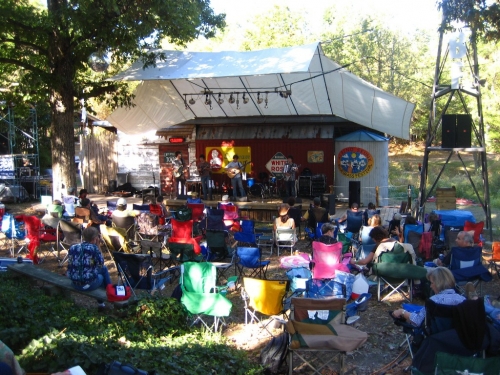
284, 220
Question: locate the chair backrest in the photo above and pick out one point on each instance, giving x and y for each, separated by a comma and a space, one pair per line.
285, 234
476, 227
249, 256
367, 242
295, 213
438, 317
82, 213
332, 310
266, 296
182, 229
451, 234
184, 249
419, 228
140, 207
72, 233
465, 257
247, 226
111, 205
127, 223
230, 211
197, 210
325, 257
318, 233
198, 277
137, 268
245, 237
155, 209
317, 215
354, 221
147, 224
495, 247
216, 238
115, 238
397, 255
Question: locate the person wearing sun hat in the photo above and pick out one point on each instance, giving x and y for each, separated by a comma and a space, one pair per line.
121, 209
193, 198
284, 220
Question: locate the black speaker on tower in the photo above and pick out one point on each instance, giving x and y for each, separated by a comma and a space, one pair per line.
354, 192
449, 127
464, 128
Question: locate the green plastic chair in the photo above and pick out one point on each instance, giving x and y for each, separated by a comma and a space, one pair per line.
200, 294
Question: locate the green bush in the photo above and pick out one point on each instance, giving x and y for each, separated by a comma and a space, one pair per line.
53, 334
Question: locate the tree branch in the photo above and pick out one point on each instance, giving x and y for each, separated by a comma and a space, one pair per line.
22, 65
20, 43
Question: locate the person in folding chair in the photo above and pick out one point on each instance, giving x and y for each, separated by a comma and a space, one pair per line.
86, 267
316, 214
464, 240
327, 234
124, 218
95, 218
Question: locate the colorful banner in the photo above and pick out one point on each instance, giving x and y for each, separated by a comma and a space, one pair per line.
219, 157
354, 162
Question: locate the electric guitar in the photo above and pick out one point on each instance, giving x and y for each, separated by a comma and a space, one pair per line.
179, 171
288, 175
234, 171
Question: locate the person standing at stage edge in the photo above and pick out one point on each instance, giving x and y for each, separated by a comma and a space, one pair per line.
234, 172
289, 169
204, 170
179, 167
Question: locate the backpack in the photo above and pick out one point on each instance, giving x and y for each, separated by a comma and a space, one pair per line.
183, 213
274, 354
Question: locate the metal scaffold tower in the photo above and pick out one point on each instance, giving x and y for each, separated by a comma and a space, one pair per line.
19, 153
456, 118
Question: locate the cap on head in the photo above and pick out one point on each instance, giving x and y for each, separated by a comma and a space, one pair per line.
225, 198
317, 201
397, 216
121, 202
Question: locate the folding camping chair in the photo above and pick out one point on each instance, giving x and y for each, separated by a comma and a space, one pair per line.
251, 258
142, 208
184, 250
15, 234
367, 243
147, 227
393, 275
115, 239
319, 335
128, 223
285, 238
354, 222
266, 297
41, 242
466, 266
197, 210
82, 213
68, 234
326, 260
295, 212
200, 294
454, 364
245, 239
266, 239
494, 261
136, 271
111, 205
183, 229
217, 246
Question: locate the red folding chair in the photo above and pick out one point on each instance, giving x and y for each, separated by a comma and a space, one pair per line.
197, 210
183, 229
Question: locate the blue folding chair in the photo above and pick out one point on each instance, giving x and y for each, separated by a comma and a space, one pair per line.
251, 258
466, 266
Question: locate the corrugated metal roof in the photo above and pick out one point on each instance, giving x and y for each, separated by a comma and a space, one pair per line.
181, 130
268, 131
362, 136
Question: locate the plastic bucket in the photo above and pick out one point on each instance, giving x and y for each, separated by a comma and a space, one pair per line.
250, 182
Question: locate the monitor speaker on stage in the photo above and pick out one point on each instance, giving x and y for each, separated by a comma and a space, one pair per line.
354, 192
328, 202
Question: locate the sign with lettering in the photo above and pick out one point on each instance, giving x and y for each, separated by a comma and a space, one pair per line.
276, 164
7, 167
354, 162
168, 157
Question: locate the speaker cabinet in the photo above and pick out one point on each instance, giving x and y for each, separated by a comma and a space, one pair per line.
354, 192
449, 127
464, 128
328, 202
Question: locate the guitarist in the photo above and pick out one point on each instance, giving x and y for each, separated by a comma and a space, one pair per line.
179, 168
289, 169
237, 182
204, 171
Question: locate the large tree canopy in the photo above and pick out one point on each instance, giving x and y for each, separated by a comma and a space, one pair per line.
46, 50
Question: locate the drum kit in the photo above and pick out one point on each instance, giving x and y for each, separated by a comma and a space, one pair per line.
270, 190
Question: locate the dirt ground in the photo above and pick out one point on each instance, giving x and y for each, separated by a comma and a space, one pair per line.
381, 354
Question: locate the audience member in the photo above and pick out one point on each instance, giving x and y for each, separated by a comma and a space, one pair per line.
284, 220
375, 221
86, 268
327, 234
69, 201
315, 214
122, 211
379, 235
463, 240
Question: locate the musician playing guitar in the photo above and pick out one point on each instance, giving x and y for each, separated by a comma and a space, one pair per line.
234, 171
289, 169
204, 171
179, 169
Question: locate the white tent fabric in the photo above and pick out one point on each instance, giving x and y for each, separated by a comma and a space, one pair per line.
319, 86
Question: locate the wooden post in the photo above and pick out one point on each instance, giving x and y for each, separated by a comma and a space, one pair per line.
377, 196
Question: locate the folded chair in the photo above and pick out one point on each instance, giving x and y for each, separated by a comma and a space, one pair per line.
266, 297
251, 258
286, 238
200, 294
392, 271
319, 335
128, 223
136, 271
466, 266
68, 234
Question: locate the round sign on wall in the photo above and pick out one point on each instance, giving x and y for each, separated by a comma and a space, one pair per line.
354, 162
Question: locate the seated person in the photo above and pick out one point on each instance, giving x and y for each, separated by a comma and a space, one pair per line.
464, 240
193, 198
375, 221
395, 230
56, 207
95, 218
443, 286
315, 214
69, 202
225, 201
380, 236
327, 234
435, 224
122, 211
86, 268
284, 220
353, 219
354, 208
369, 212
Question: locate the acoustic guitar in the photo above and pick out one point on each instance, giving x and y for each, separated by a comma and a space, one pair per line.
288, 176
178, 172
234, 171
